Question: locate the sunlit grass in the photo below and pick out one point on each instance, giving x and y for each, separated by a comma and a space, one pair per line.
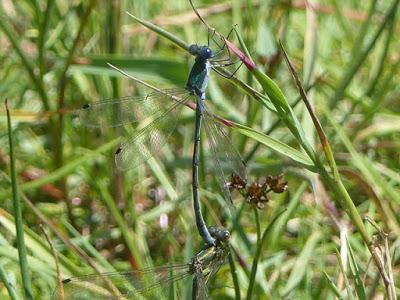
54, 56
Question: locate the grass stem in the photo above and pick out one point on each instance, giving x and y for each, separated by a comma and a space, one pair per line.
23, 262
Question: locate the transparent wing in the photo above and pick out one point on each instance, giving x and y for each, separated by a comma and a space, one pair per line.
143, 284
147, 142
116, 112
202, 288
226, 158
202, 278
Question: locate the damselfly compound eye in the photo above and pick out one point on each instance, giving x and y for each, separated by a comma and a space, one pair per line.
194, 49
226, 235
206, 52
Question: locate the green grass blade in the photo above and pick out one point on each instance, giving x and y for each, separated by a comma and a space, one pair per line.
333, 287
161, 32
11, 36
44, 26
364, 165
257, 255
300, 267
234, 275
275, 145
166, 69
63, 171
39, 249
346, 279
163, 177
355, 271
8, 284
89, 248
280, 226
130, 238
284, 110
26, 279
379, 66
363, 30
356, 62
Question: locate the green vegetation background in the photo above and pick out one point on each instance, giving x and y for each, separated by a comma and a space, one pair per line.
53, 58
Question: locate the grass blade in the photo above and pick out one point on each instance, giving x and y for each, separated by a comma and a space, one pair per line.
7, 283
346, 279
355, 271
234, 275
162, 32
127, 233
300, 266
257, 255
63, 171
357, 62
276, 145
26, 279
333, 287
29, 68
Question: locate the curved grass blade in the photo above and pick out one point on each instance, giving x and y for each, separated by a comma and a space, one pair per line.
161, 32
275, 145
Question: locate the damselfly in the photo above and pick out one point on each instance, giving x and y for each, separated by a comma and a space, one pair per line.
151, 283
148, 141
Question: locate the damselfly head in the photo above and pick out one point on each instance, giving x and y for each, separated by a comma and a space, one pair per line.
224, 235
204, 52
194, 49
219, 233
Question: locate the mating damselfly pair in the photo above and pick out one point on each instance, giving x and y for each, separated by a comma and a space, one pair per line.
162, 108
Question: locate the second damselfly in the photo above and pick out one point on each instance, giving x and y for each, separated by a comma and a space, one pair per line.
152, 283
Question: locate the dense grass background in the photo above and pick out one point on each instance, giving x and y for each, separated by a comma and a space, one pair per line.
53, 59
